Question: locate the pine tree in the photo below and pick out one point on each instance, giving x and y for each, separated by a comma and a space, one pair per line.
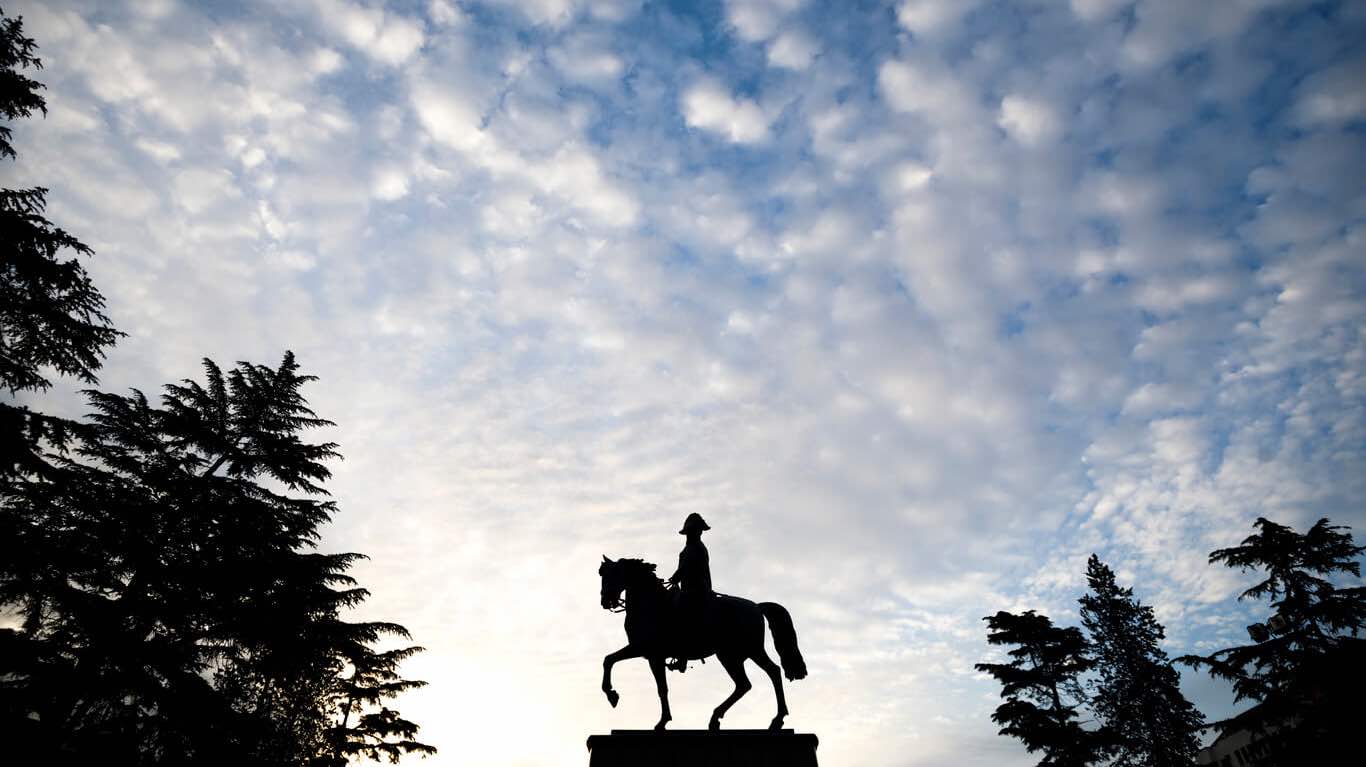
1041, 688
173, 579
373, 679
1306, 665
51, 318
51, 315
1145, 719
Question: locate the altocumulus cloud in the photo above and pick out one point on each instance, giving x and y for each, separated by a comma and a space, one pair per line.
918, 304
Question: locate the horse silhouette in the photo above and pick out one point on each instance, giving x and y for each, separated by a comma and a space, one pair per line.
730, 628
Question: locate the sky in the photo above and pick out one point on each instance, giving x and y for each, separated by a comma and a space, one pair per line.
918, 304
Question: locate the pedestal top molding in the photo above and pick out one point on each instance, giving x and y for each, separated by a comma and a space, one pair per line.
703, 748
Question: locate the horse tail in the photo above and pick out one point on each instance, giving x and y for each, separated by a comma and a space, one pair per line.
784, 640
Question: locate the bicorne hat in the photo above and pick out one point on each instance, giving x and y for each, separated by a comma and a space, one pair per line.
694, 523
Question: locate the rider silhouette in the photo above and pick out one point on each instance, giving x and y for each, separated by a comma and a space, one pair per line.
692, 581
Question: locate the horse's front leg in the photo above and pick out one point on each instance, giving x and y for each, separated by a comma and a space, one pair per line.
662, 687
623, 654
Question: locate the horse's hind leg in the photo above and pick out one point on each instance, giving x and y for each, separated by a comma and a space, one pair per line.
735, 666
662, 687
775, 674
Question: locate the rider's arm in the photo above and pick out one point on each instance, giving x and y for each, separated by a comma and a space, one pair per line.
677, 577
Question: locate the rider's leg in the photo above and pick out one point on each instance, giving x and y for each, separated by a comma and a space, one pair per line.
685, 627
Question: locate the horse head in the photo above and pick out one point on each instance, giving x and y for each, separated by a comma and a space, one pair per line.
612, 583
618, 576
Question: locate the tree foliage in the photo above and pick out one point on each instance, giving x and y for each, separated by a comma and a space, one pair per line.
175, 608
19, 96
1136, 693
51, 315
1041, 687
373, 680
1310, 665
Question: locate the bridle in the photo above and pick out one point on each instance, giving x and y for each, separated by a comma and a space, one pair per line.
618, 603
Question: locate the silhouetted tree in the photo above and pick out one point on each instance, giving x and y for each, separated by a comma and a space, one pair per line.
1145, 720
1306, 666
51, 319
173, 579
368, 728
51, 316
1041, 687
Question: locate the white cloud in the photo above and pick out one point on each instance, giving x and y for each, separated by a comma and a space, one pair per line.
390, 184
386, 37
553, 13
932, 17
586, 59
571, 173
577, 176
445, 13
1029, 121
708, 106
1153, 398
927, 89
65, 118
792, 50
912, 176
398, 41
1162, 30
197, 189
163, 152
326, 61
758, 20
1121, 194
1334, 96
449, 116
613, 10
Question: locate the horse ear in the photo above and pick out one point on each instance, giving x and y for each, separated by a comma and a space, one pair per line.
605, 560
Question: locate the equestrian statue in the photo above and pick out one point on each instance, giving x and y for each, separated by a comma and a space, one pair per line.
684, 620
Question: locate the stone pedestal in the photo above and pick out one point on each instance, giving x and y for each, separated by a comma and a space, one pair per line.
701, 748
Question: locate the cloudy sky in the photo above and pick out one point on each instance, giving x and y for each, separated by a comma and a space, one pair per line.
918, 304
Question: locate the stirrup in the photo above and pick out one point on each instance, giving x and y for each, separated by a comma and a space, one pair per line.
677, 664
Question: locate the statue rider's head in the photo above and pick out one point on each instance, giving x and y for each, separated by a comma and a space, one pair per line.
694, 525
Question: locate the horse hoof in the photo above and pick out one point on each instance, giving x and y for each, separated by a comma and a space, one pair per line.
612, 697
714, 725
776, 724
660, 727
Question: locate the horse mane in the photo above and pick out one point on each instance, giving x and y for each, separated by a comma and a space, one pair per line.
641, 566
